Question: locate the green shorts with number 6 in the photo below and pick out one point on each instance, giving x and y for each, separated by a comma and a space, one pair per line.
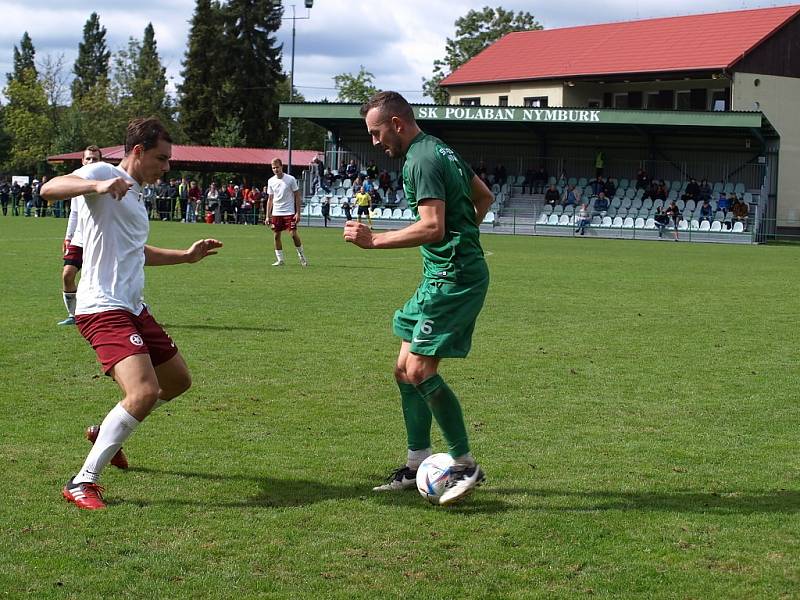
440, 317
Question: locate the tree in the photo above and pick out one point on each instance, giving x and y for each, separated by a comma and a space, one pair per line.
91, 66
355, 88
27, 123
24, 59
251, 61
475, 31
150, 81
203, 71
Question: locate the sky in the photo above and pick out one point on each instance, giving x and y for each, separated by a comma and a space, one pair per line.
395, 40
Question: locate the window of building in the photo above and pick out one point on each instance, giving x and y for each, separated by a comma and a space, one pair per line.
502, 101
652, 101
621, 100
535, 102
719, 100
683, 100
470, 101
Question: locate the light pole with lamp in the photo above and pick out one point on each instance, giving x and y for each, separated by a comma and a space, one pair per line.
308, 4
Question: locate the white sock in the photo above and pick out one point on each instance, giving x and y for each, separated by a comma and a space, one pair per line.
415, 458
69, 302
465, 460
114, 430
279, 255
299, 250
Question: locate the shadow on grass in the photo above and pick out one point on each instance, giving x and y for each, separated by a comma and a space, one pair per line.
275, 492
738, 502
226, 327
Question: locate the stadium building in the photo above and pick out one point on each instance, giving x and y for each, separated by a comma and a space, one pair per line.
711, 96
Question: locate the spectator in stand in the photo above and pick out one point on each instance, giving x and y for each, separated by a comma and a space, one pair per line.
500, 175
674, 213
481, 171
161, 194
39, 202
343, 169
582, 219
642, 180
172, 199
326, 210
652, 191
212, 204
540, 180
245, 207
16, 194
326, 181
600, 205
372, 170
193, 196
598, 185
485, 179
183, 198
237, 200
661, 220
347, 210
385, 180
706, 212
740, 212
315, 174
148, 197
572, 196
705, 191
352, 170
599, 162
254, 197
661, 191
610, 188
692, 191
722, 203
225, 204
5, 195
530, 181
551, 196
27, 198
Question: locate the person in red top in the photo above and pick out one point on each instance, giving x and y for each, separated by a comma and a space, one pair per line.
254, 197
194, 202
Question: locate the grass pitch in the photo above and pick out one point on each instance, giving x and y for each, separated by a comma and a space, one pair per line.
634, 404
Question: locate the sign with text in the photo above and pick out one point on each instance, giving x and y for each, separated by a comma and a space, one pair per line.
477, 113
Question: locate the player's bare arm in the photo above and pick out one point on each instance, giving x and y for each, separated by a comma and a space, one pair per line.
482, 198
298, 204
268, 218
429, 228
69, 186
155, 257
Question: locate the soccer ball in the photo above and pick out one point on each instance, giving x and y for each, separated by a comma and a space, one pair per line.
432, 476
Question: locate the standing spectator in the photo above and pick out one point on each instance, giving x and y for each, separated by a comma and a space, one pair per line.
481, 171
212, 203
500, 175
642, 180
347, 209
225, 203
314, 173
540, 180
598, 185
148, 195
27, 198
172, 200
283, 211
254, 197
674, 213
384, 181
193, 202
327, 181
39, 202
551, 196
599, 162
16, 194
582, 219
161, 199
661, 220
245, 207
530, 180
5, 194
326, 210
352, 170
661, 191
183, 199
237, 200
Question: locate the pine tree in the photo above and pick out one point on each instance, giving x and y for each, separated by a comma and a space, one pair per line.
249, 92
24, 59
203, 74
150, 80
91, 66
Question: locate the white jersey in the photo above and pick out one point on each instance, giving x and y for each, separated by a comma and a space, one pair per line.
74, 232
114, 234
282, 191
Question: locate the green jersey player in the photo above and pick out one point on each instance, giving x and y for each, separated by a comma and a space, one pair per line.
448, 202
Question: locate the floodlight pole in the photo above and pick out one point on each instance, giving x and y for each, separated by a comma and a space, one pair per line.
308, 4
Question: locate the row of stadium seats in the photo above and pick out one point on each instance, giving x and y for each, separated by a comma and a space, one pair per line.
642, 223
389, 214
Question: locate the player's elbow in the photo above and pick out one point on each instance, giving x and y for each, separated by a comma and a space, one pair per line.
48, 192
434, 233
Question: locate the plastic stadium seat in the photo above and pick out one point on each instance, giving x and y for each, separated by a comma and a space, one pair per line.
558, 210
630, 193
596, 221
612, 212
639, 223
304, 211
552, 220
683, 225
627, 202
489, 218
627, 223
739, 189
572, 181
633, 212
408, 215
729, 187
648, 203
705, 226
582, 182
694, 225
637, 203
542, 220
397, 214
718, 187
658, 203
616, 202
316, 210
623, 184
607, 222
681, 205
563, 220
650, 224
548, 209
738, 227
719, 215
569, 210
690, 205
496, 188
617, 222
747, 197
716, 226
336, 211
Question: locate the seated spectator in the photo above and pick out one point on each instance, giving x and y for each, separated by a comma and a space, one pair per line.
706, 212
368, 186
722, 203
652, 191
662, 221
600, 205
598, 185
692, 191
551, 196
326, 181
481, 171
572, 196
674, 213
483, 177
642, 180
351, 171
705, 191
372, 170
740, 211
384, 180
500, 175
610, 188
661, 192
582, 219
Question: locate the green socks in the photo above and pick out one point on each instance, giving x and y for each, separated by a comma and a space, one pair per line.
417, 416
446, 409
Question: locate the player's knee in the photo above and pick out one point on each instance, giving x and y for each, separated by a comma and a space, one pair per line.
400, 374
177, 386
143, 396
416, 373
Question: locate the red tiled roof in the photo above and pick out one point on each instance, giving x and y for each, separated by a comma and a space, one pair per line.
690, 43
198, 156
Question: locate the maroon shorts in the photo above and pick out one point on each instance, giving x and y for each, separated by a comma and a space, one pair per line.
283, 222
118, 334
73, 256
